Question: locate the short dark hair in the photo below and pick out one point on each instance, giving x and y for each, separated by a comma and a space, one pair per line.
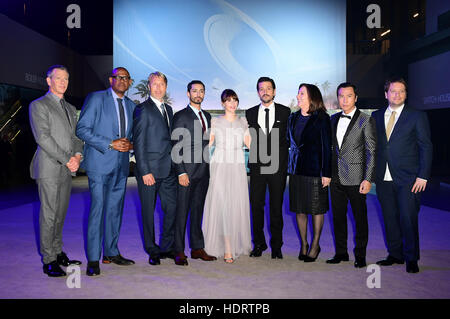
157, 74
118, 68
315, 98
190, 84
346, 85
265, 79
56, 66
228, 94
394, 79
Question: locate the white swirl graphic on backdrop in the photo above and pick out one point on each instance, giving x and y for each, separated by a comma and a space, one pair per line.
220, 30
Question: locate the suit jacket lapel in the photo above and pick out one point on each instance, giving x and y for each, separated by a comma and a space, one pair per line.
401, 121
111, 109
350, 125
194, 117
334, 123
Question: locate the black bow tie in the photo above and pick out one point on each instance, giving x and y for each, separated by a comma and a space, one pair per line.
347, 116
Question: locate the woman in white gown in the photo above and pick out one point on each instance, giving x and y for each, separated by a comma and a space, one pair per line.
226, 221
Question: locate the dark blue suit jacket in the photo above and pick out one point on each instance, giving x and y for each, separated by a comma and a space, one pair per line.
408, 151
98, 126
152, 140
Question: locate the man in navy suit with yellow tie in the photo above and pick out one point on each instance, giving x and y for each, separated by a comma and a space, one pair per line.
403, 166
152, 125
105, 126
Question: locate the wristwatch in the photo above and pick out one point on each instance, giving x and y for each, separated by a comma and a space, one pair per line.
110, 147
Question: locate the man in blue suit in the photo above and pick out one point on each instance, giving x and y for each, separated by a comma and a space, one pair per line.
105, 125
403, 166
153, 122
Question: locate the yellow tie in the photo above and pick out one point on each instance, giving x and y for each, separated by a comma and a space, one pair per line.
390, 125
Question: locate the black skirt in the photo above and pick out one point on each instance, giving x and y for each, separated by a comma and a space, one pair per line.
307, 196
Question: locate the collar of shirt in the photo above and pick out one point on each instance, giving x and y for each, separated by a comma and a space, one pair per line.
57, 98
271, 107
157, 102
398, 110
350, 114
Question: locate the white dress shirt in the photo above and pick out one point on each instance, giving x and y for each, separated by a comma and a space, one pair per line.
342, 126
158, 104
262, 116
387, 115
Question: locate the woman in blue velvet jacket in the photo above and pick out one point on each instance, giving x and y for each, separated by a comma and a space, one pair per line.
309, 132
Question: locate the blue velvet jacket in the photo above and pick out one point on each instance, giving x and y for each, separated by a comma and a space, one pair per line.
312, 157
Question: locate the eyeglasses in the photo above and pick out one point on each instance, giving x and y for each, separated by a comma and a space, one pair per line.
121, 77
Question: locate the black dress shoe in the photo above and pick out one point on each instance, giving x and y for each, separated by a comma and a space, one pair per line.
54, 270
277, 254
118, 260
360, 262
389, 261
154, 260
166, 254
181, 259
257, 251
412, 267
309, 259
63, 260
93, 268
337, 259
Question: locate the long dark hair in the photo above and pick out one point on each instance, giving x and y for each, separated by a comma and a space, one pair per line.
315, 98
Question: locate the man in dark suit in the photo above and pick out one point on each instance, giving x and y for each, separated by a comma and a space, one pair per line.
268, 165
105, 126
353, 171
153, 122
403, 166
191, 157
56, 160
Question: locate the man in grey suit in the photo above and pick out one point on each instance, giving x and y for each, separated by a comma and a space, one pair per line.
57, 158
353, 170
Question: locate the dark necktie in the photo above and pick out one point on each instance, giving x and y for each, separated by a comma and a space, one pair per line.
164, 113
346, 116
203, 122
63, 104
121, 118
267, 131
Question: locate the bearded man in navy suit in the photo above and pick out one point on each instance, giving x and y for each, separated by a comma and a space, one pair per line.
403, 166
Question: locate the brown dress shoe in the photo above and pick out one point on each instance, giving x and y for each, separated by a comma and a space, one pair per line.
201, 253
180, 259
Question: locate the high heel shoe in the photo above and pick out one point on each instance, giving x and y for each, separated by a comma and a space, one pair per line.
303, 256
309, 259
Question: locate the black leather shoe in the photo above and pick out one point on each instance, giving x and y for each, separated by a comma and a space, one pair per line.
181, 259
337, 259
54, 270
118, 260
309, 259
93, 268
154, 260
412, 267
277, 254
360, 262
166, 254
63, 260
257, 251
389, 261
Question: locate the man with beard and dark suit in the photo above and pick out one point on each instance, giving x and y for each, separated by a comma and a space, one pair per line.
353, 171
403, 166
153, 122
268, 165
191, 139
56, 160
105, 126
